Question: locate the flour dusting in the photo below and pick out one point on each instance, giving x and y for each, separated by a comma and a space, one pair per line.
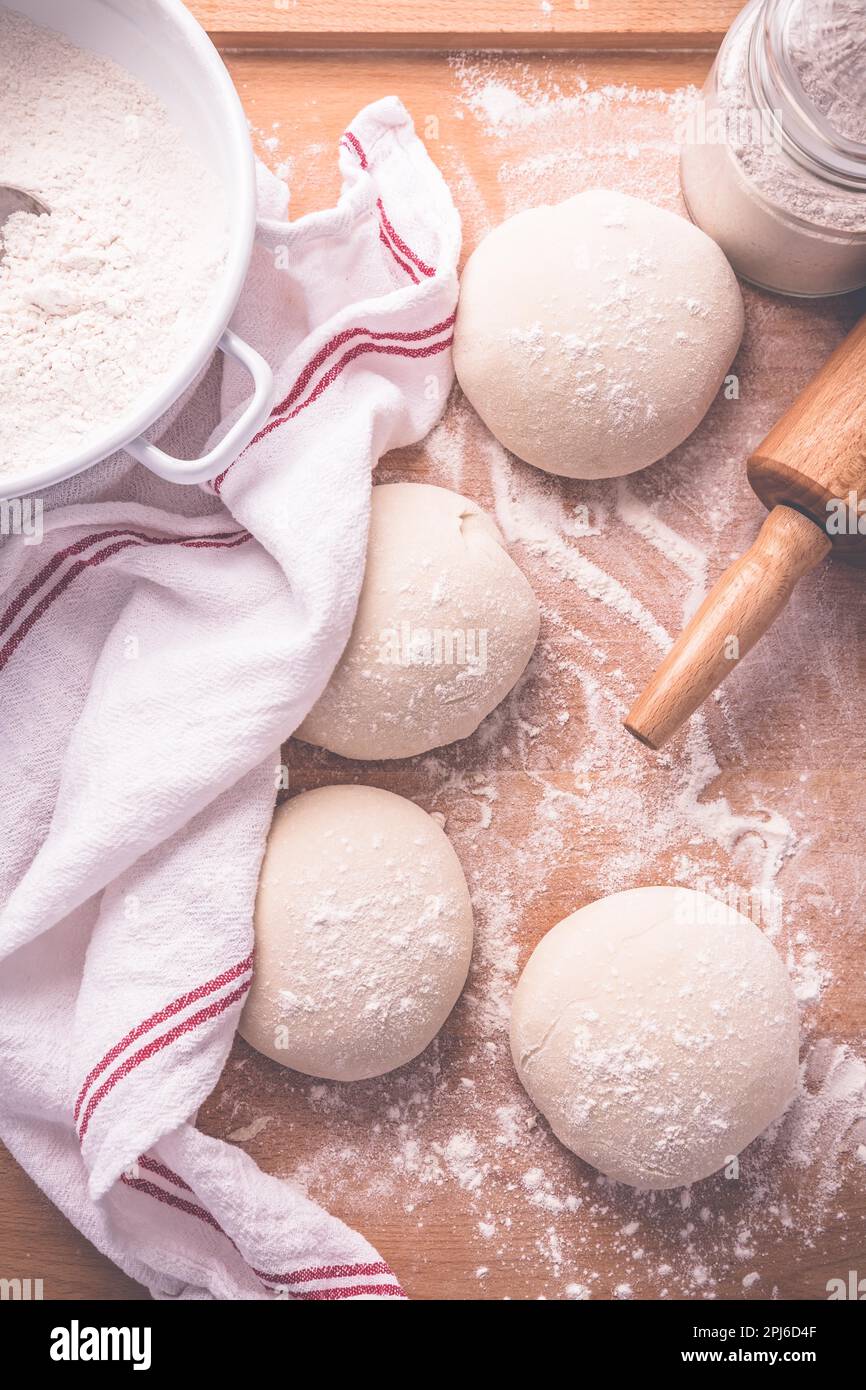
551, 805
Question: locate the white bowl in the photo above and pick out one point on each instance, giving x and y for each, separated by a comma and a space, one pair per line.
159, 42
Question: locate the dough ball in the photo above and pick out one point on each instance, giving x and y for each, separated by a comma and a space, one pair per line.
363, 931
657, 1031
592, 336
445, 626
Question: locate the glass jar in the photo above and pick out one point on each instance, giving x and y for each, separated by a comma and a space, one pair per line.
773, 159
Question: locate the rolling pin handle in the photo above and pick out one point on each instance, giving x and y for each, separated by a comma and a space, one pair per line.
735, 614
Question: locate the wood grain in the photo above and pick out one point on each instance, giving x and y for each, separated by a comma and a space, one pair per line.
37, 1242
309, 99
501, 24
816, 454
319, 92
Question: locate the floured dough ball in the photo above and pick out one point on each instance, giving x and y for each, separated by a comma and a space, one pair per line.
445, 627
592, 336
363, 933
657, 1031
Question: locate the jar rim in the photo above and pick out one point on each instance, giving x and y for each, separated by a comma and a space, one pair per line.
805, 131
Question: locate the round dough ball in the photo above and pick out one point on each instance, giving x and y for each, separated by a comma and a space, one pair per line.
445, 627
363, 931
592, 336
657, 1031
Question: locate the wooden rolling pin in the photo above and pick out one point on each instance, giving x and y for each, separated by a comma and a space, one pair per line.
811, 472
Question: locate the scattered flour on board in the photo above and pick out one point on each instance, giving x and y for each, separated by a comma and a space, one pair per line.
550, 805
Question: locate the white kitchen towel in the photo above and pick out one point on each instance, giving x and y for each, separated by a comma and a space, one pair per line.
155, 650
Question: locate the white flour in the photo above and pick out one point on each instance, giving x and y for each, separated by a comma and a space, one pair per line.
837, 86
734, 184
828, 48
99, 301
549, 805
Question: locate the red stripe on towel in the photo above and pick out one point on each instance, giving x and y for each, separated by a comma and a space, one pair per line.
304, 378
389, 349
91, 562
404, 265
162, 1171
309, 1276
171, 1200
398, 241
156, 1045
351, 140
354, 1271
167, 1011
351, 1291
84, 543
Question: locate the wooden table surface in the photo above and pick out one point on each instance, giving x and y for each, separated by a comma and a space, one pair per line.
303, 70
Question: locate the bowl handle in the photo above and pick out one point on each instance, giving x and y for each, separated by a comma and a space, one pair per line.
238, 437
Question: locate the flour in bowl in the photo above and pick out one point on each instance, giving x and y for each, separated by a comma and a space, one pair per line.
100, 301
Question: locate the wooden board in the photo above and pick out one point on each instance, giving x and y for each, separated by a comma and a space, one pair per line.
502, 24
298, 104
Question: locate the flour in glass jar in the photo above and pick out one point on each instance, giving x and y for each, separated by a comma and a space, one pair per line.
101, 300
